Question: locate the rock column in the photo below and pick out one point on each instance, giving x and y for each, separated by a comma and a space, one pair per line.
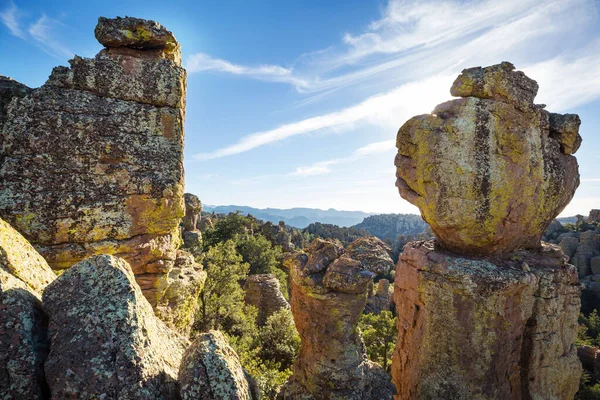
92, 161
487, 311
329, 293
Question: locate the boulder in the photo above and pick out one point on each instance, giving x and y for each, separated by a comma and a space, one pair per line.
193, 208
485, 328
80, 154
488, 171
139, 34
329, 293
372, 253
179, 304
211, 370
581, 259
24, 342
106, 341
263, 291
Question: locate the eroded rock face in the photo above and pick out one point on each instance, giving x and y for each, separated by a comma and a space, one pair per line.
491, 170
486, 328
263, 291
24, 342
179, 304
9, 89
329, 292
211, 370
106, 341
79, 155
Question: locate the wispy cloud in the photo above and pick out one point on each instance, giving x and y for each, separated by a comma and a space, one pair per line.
41, 32
382, 110
323, 167
9, 18
201, 62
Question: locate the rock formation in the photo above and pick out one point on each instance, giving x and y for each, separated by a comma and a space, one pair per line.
106, 341
24, 342
372, 254
483, 328
461, 163
329, 292
179, 304
263, 292
487, 310
210, 370
379, 299
192, 237
10, 89
91, 162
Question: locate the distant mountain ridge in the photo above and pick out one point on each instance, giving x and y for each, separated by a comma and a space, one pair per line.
298, 217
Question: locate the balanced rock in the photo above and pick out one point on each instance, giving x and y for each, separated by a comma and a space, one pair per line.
329, 293
139, 34
91, 162
263, 291
178, 306
491, 170
106, 341
486, 328
211, 370
24, 342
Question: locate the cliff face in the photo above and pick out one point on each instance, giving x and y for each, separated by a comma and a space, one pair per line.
487, 311
79, 155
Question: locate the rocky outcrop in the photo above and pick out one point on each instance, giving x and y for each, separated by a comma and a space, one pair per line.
487, 310
106, 341
178, 306
278, 235
263, 291
486, 328
24, 342
489, 171
211, 369
79, 155
380, 298
329, 293
10, 89
372, 254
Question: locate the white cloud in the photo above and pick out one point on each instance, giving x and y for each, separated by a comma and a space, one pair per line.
9, 17
42, 32
386, 110
201, 62
312, 170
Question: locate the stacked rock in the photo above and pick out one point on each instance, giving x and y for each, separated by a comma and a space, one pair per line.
263, 291
487, 311
91, 162
329, 293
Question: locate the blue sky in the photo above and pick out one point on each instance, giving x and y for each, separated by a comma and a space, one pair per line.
297, 103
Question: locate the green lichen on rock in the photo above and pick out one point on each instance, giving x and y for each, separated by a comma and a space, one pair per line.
211, 370
491, 170
24, 342
106, 341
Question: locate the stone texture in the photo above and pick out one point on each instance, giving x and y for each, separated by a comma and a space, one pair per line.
24, 342
193, 208
594, 216
569, 245
137, 33
279, 235
263, 291
91, 162
486, 328
211, 370
595, 265
9, 89
372, 253
179, 304
106, 341
329, 292
379, 299
488, 171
